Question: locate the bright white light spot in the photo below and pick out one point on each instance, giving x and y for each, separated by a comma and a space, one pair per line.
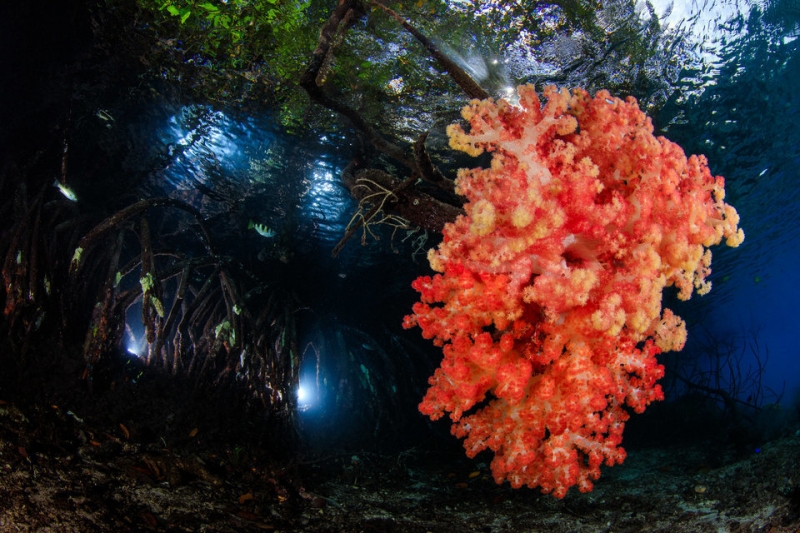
323, 183
302, 394
306, 394
135, 348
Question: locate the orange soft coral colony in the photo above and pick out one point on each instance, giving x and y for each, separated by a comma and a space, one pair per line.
547, 301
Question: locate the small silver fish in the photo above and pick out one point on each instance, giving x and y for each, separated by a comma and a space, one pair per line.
104, 115
262, 229
65, 190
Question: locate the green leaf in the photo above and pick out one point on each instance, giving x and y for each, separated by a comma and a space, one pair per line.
146, 282
157, 305
76, 257
209, 7
173, 11
185, 16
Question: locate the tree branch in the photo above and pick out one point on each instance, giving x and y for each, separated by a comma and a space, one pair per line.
467, 84
345, 14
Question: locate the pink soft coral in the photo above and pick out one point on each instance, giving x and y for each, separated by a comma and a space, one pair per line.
548, 299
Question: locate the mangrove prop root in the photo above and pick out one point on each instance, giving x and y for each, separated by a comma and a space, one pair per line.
90, 239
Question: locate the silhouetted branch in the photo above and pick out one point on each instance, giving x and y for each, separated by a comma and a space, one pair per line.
342, 16
428, 171
720, 369
90, 239
399, 198
464, 80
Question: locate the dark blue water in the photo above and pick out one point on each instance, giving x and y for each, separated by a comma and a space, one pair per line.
739, 105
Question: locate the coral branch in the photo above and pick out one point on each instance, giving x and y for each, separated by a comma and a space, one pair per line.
547, 300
